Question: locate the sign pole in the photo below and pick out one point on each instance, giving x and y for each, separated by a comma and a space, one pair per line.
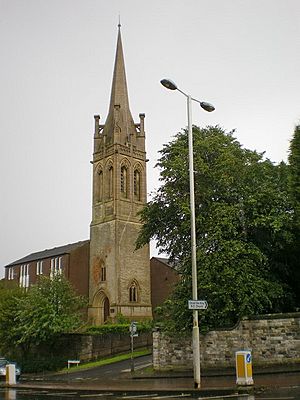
133, 333
132, 359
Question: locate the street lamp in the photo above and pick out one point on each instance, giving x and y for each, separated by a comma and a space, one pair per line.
207, 107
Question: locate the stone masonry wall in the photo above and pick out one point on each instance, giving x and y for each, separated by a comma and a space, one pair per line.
273, 339
93, 347
76, 346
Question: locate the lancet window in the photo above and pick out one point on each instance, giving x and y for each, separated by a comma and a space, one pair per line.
110, 182
137, 185
103, 274
100, 185
124, 181
98, 193
133, 292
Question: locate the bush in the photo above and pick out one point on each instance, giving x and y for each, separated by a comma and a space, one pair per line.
41, 365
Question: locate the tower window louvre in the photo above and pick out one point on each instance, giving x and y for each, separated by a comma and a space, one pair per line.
100, 187
137, 185
110, 182
124, 181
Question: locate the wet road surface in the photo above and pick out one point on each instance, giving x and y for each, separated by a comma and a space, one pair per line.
115, 382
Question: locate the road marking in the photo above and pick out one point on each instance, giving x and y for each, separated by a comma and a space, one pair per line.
155, 396
96, 395
152, 395
136, 367
228, 396
65, 394
174, 396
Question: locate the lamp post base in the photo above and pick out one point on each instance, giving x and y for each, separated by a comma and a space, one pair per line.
196, 356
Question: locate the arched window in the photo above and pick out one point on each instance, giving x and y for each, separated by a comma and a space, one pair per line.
133, 293
110, 182
137, 185
100, 185
124, 181
103, 274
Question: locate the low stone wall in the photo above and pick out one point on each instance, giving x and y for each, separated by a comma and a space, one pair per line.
273, 339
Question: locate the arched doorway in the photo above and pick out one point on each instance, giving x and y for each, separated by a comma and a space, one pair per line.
101, 308
105, 309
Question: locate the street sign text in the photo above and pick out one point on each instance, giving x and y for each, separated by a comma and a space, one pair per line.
198, 304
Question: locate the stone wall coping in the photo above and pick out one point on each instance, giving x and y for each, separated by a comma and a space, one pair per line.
104, 335
272, 338
247, 318
272, 316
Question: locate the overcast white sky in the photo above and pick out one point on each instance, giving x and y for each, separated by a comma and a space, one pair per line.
55, 73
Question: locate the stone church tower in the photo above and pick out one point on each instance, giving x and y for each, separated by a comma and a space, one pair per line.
119, 281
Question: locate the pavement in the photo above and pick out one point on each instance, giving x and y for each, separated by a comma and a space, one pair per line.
213, 383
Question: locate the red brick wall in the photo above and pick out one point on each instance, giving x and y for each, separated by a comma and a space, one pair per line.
163, 279
32, 268
78, 273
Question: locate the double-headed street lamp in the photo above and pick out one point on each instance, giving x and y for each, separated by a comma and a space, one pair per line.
207, 107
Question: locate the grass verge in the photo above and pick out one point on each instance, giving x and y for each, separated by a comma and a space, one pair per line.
105, 361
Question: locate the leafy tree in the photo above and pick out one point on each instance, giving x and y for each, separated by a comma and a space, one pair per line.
294, 176
294, 187
10, 296
242, 223
50, 309
39, 315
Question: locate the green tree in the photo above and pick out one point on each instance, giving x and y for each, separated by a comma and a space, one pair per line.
50, 309
242, 215
294, 176
294, 188
10, 296
39, 315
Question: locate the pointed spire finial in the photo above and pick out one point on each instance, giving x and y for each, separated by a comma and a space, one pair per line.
119, 24
119, 116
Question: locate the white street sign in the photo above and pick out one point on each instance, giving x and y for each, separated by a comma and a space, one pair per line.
198, 304
133, 328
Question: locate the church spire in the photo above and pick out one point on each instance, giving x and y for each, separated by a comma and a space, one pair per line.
119, 122
119, 274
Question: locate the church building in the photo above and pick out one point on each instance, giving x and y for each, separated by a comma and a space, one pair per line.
116, 278
119, 276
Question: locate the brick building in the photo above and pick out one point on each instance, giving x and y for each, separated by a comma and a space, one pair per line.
107, 269
71, 260
163, 279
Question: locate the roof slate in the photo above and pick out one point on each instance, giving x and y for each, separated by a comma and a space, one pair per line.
56, 251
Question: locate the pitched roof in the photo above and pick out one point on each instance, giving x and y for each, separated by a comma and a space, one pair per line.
162, 260
166, 261
56, 251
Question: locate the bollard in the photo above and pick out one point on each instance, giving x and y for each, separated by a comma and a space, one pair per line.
10, 394
11, 374
243, 361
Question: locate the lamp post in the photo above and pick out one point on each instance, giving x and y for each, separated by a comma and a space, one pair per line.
207, 107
